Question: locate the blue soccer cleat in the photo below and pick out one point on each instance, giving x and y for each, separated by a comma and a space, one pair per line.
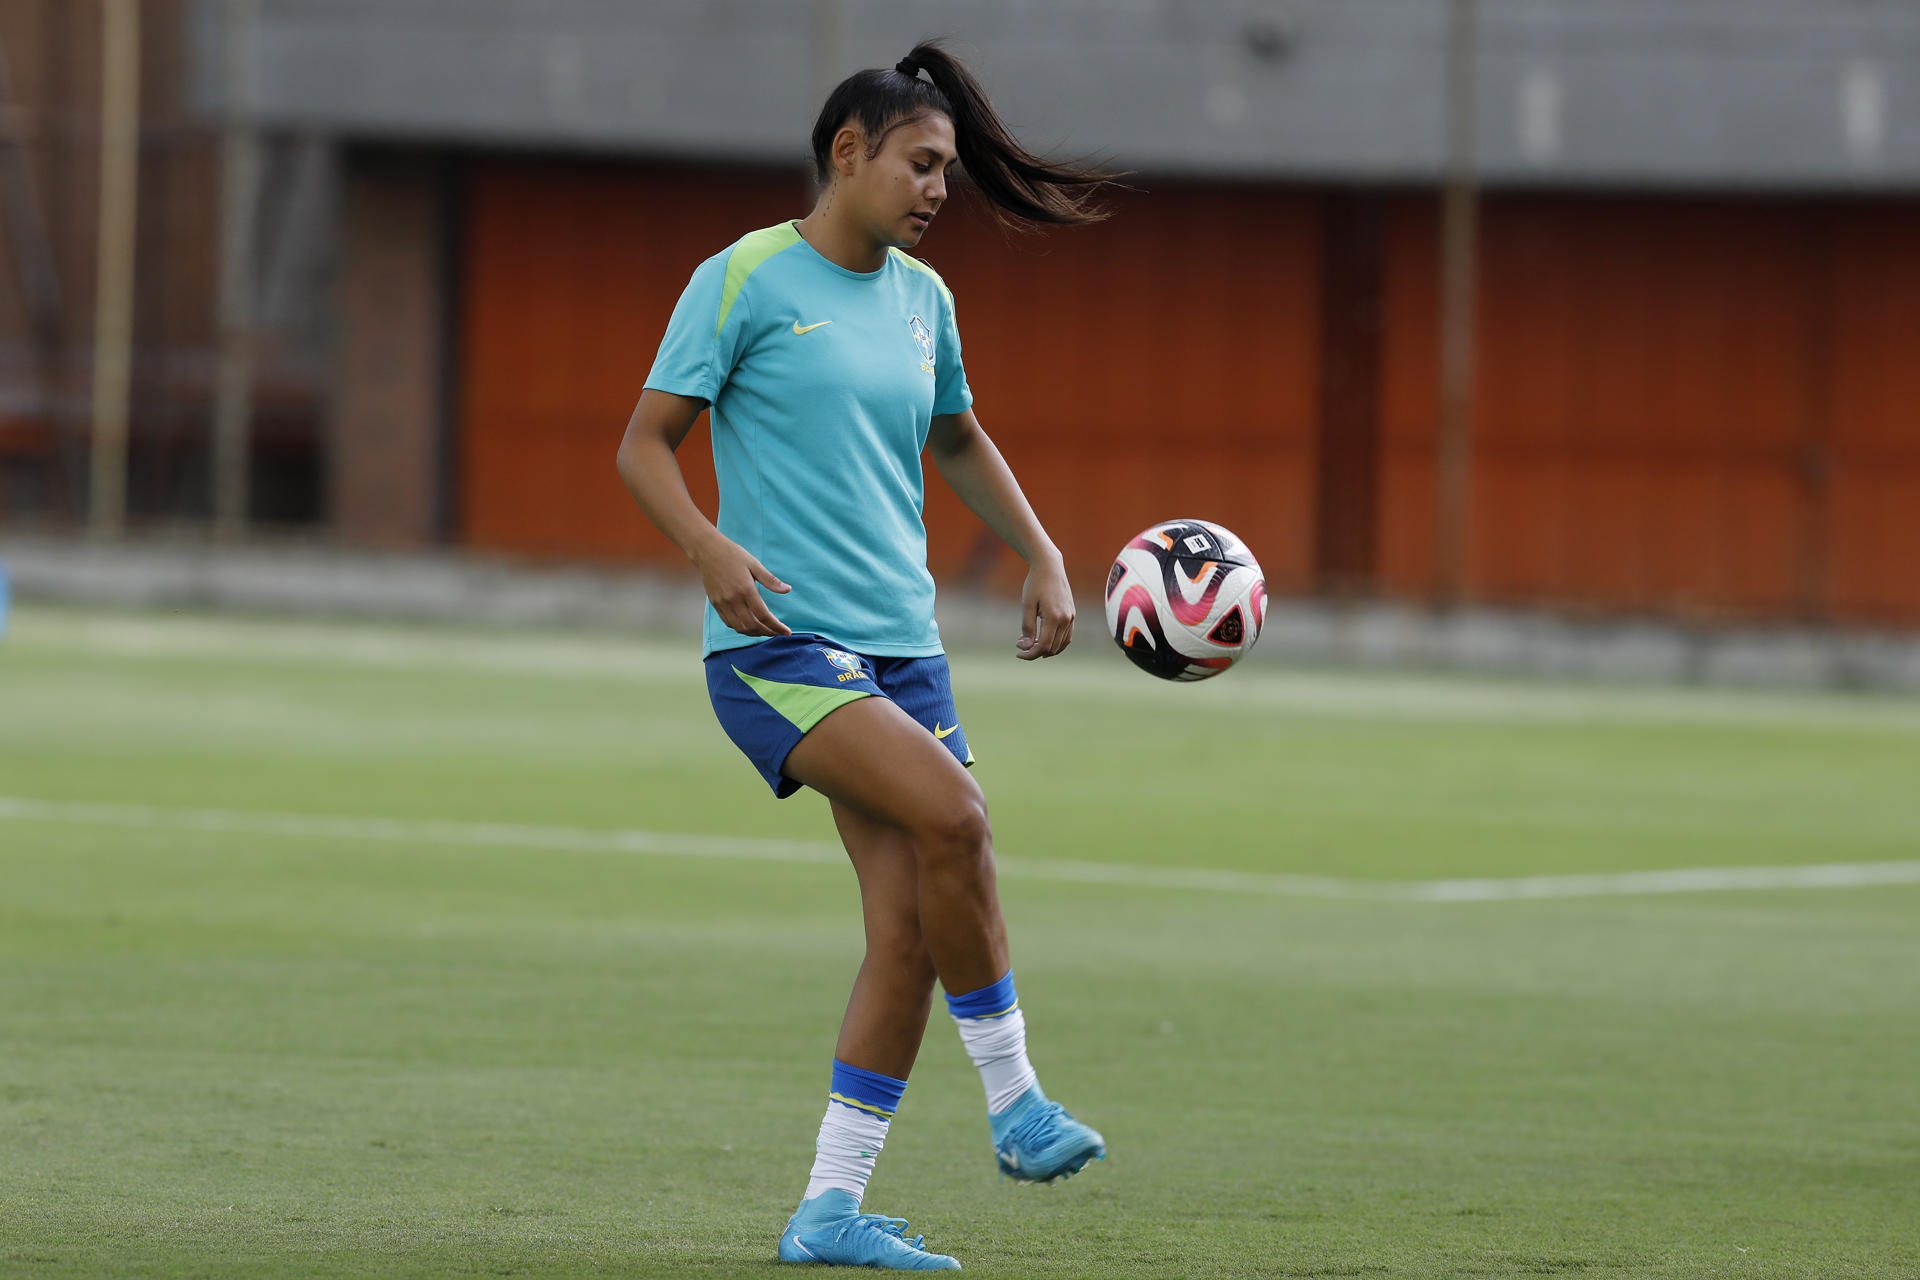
1037, 1141
830, 1229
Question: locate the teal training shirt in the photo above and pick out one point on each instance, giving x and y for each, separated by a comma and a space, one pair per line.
823, 383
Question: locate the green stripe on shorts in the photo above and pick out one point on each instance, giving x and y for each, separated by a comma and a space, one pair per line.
803, 705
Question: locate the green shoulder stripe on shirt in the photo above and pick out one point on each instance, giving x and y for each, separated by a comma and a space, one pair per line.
917, 265
753, 249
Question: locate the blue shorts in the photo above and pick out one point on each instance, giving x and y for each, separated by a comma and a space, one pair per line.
769, 694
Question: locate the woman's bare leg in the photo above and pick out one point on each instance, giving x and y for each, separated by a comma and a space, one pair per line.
893, 994
871, 758
876, 763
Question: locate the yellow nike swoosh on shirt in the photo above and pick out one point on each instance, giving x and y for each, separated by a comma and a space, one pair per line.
799, 328
938, 732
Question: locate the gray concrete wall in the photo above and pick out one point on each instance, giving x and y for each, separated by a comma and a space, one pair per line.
1802, 94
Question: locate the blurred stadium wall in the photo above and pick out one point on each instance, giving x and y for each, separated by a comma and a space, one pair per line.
1695, 393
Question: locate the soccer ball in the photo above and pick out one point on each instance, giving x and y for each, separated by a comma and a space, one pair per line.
1185, 600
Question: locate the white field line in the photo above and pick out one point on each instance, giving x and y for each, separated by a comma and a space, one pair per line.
1836, 875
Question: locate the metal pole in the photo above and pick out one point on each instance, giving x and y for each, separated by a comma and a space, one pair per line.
113, 306
239, 199
1459, 265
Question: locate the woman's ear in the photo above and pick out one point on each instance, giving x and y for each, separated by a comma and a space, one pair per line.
846, 150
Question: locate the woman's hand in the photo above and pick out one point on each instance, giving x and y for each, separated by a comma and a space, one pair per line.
1046, 609
729, 573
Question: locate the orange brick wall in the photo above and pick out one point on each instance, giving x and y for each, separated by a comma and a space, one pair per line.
571, 271
1688, 407
1124, 382
1692, 407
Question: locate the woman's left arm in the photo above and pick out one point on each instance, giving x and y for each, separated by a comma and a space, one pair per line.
973, 467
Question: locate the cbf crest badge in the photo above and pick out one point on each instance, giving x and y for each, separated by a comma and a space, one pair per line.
923, 336
848, 664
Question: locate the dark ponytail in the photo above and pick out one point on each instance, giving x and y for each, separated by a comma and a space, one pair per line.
1019, 186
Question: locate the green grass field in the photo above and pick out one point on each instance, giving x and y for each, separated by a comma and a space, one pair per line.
241, 1036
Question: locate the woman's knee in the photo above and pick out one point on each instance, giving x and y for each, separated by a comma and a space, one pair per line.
954, 828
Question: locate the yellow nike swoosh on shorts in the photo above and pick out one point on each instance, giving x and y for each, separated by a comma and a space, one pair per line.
938, 732
799, 328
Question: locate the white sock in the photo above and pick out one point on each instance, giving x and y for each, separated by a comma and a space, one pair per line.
845, 1152
998, 1047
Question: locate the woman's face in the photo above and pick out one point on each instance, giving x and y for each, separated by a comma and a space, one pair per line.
895, 193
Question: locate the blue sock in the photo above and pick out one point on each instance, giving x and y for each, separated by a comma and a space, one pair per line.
860, 1107
995, 1001
994, 1032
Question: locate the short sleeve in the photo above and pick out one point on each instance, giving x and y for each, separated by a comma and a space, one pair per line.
701, 346
950, 391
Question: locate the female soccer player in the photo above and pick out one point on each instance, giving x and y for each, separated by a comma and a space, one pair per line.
831, 360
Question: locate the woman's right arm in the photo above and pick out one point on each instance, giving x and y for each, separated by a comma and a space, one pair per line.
660, 422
